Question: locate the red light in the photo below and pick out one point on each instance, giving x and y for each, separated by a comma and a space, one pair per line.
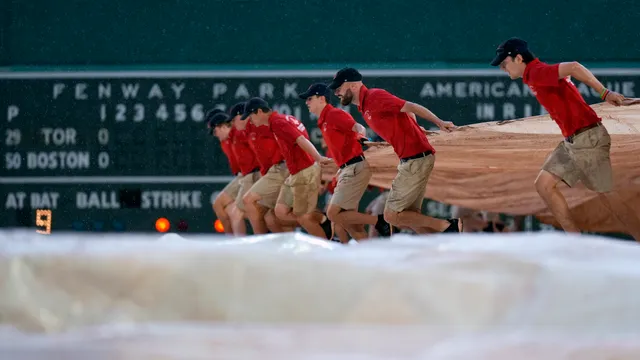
218, 226
162, 225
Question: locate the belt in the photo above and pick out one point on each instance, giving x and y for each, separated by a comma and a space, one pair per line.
416, 156
254, 170
581, 130
352, 161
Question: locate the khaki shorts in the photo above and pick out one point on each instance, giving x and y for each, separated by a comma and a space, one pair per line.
233, 187
246, 182
585, 158
268, 187
300, 191
407, 189
352, 183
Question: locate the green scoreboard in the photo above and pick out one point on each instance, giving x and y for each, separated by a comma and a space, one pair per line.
116, 150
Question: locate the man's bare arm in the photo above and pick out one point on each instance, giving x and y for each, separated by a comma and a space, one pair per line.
582, 74
423, 112
359, 129
308, 147
419, 110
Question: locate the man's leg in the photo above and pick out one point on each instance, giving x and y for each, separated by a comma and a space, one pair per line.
236, 217
376, 208
547, 186
591, 155
404, 204
424, 230
305, 188
255, 211
311, 223
407, 217
223, 200
350, 219
276, 225
262, 197
585, 157
219, 205
472, 219
246, 183
282, 210
271, 200
343, 234
284, 205
343, 208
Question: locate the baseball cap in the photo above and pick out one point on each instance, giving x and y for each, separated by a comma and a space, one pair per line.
344, 75
252, 105
210, 114
237, 109
319, 89
216, 117
510, 47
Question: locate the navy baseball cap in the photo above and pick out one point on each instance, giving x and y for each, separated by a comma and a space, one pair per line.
345, 75
510, 47
216, 117
237, 109
210, 114
252, 105
319, 89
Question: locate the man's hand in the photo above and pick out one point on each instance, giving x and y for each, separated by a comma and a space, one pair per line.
614, 98
447, 126
324, 161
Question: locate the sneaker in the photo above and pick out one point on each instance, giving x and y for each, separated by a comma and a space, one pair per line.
453, 226
382, 227
328, 228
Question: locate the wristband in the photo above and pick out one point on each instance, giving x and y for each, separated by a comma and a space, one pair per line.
604, 93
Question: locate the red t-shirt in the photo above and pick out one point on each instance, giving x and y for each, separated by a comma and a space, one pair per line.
381, 110
264, 146
337, 130
559, 97
226, 148
245, 157
287, 129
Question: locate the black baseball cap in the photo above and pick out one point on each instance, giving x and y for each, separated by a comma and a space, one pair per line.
210, 115
216, 117
252, 105
345, 75
237, 109
510, 47
319, 89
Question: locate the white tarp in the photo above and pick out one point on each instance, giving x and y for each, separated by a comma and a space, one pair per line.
481, 296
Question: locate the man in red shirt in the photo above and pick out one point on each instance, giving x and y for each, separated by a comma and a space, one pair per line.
246, 158
298, 198
584, 154
393, 119
260, 199
224, 206
342, 135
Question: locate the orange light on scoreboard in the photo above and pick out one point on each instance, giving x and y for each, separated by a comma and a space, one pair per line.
162, 225
218, 226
